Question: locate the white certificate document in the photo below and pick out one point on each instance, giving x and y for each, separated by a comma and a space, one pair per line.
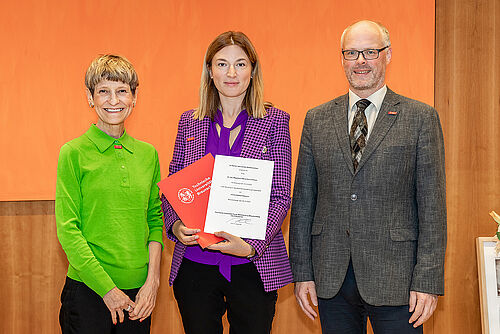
239, 196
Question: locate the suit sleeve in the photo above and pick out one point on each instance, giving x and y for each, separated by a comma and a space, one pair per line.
177, 163
428, 274
281, 154
303, 207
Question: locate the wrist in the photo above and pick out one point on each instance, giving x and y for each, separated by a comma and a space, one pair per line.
252, 252
153, 280
175, 228
153, 274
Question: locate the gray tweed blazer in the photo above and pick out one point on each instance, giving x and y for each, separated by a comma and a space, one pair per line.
389, 216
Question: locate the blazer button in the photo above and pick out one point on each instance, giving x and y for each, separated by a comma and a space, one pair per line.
354, 197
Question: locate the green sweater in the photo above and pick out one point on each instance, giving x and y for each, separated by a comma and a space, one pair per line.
108, 209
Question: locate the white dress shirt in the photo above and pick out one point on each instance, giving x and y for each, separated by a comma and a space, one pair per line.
371, 111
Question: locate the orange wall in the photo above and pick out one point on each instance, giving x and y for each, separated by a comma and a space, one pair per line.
47, 46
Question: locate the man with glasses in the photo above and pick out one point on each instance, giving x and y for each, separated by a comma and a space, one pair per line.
368, 221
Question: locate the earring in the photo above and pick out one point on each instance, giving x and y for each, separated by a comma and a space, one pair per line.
91, 105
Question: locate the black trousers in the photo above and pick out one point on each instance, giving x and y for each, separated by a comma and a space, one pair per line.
347, 312
84, 312
204, 295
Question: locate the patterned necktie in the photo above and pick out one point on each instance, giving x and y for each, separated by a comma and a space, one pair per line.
359, 131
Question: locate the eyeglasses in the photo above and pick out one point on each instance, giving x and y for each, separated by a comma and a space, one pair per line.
368, 54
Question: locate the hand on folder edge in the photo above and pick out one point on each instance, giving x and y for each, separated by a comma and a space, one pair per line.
230, 244
188, 191
233, 245
187, 236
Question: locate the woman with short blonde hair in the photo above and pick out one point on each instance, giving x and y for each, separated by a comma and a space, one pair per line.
108, 212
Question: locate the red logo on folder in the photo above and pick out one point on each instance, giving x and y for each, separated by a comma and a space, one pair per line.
188, 191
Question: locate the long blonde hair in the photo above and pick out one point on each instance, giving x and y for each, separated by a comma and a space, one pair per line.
209, 95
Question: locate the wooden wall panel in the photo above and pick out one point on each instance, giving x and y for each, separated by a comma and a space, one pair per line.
34, 266
467, 88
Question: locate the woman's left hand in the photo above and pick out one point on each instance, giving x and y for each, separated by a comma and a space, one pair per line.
145, 300
233, 245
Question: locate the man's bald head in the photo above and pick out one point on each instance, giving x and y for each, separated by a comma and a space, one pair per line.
364, 25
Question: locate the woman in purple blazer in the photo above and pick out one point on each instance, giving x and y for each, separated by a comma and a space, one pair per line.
240, 276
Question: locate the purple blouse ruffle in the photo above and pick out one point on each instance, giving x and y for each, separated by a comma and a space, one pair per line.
219, 144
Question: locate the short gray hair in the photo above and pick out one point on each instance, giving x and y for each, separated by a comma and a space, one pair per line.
113, 68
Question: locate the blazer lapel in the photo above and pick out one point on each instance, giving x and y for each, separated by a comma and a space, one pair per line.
386, 117
196, 139
254, 137
340, 123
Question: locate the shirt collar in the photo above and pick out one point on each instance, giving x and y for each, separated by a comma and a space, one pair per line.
376, 98
103, 141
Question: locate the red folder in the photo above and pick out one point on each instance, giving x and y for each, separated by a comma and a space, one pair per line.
188, 191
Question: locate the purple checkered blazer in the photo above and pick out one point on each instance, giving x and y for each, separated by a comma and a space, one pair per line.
264, 138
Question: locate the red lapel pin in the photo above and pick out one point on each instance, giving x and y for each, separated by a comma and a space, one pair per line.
190, 138
392, 112
119, 147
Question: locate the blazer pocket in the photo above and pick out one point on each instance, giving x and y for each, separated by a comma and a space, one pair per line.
398, 152
398, 149
403, 234
316, 229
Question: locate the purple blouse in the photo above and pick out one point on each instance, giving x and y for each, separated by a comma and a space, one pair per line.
219, 144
